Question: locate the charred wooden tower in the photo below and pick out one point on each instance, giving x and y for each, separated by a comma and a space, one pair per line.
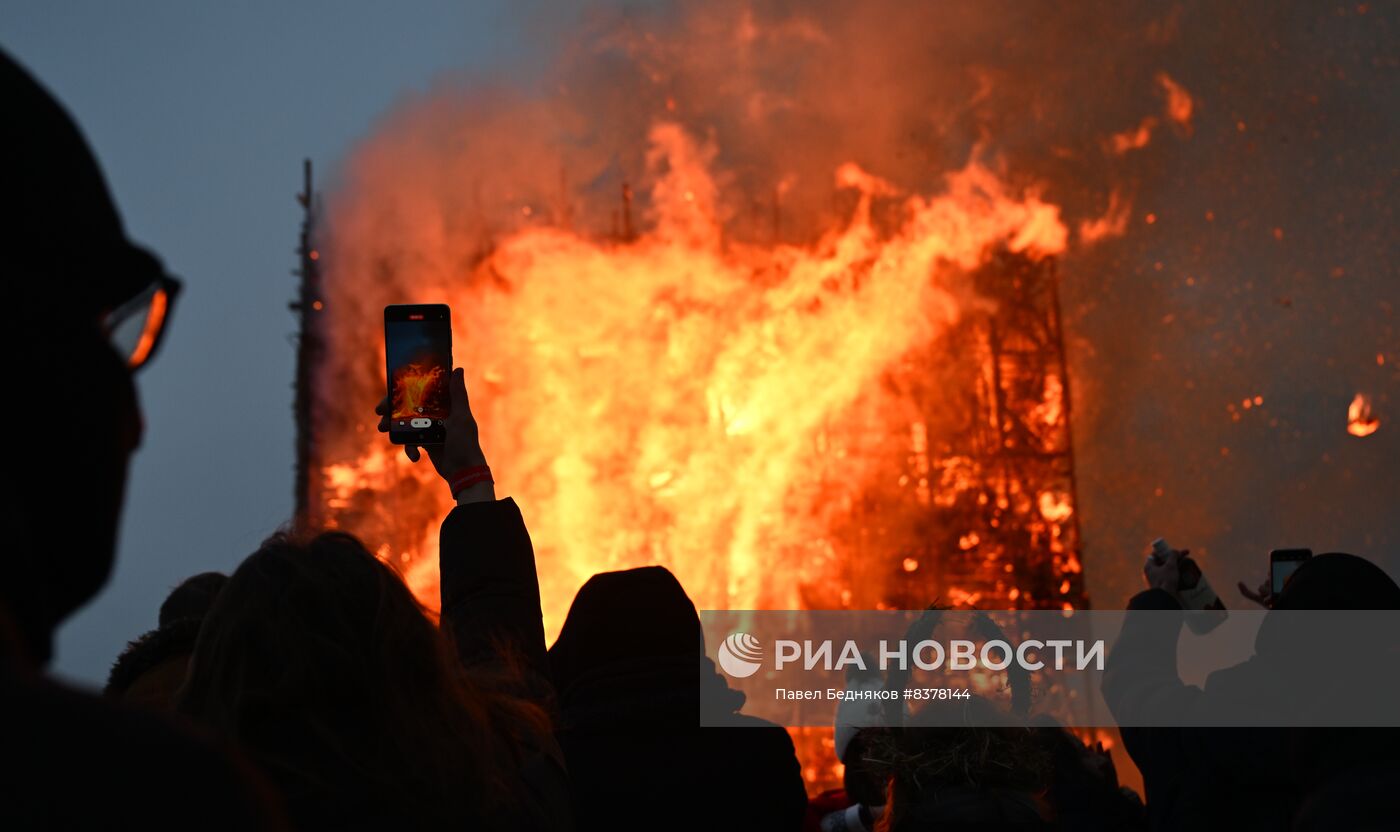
991, 463
309, 343
975, 502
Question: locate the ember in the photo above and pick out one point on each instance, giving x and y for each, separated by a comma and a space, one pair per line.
1360, 422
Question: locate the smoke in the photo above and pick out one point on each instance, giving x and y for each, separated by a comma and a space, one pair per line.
786, 93
1226, 171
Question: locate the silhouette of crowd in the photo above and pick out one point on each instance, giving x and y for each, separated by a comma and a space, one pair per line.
309, 689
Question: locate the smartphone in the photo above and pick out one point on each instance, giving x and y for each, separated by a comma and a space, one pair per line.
418, 361
1282, 564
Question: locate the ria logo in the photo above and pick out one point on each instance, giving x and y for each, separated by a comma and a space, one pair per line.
740, 655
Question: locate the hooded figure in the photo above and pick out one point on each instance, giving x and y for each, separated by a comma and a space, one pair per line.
86, 307
628, 665
1350, 775
1252, 777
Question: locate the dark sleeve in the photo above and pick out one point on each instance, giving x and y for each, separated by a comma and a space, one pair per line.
762, 774
490, 591
1140, 683
790, 796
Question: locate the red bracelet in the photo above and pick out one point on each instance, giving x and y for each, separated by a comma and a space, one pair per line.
467, 477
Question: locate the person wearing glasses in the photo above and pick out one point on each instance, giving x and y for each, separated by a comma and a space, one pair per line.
87, 309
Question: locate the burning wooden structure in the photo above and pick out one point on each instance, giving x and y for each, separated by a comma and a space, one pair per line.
972, 501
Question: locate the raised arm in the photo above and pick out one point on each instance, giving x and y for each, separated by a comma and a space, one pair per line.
490, 590
1141, 684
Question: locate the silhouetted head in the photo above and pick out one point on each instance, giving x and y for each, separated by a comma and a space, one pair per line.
317, 659
193, 598
83, 308
1290, 640
635, 614
1339, 581
632, 649
152, 669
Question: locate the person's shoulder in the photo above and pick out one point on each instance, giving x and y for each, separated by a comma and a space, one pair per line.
90, 762
758, 725
1153, 599
759, 735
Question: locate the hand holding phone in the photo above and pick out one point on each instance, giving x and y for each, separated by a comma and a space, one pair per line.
1282, 564
1262, 596
423, 387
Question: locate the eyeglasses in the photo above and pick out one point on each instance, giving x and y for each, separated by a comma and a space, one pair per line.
137, 327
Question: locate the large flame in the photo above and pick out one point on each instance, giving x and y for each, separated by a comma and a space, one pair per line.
686, 399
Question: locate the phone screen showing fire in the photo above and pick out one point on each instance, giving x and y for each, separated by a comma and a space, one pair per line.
420, 359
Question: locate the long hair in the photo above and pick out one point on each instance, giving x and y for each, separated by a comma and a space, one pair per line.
318, 660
